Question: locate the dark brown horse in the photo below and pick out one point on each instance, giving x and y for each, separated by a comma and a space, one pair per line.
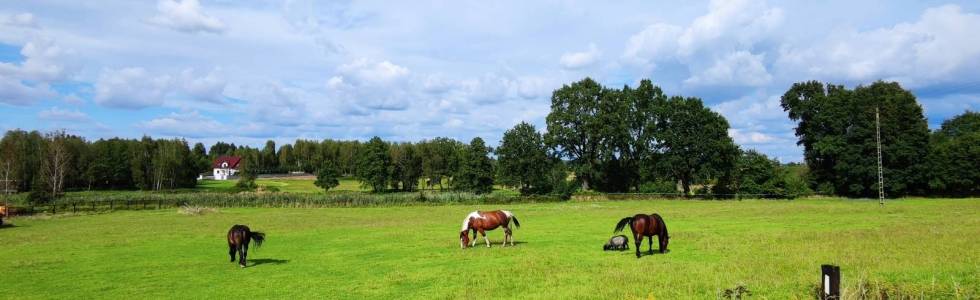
646, 226
238, 238
482, 221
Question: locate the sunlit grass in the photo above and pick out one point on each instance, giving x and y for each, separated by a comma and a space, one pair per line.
919, 247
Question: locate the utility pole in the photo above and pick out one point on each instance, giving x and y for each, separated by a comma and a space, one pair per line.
881, 177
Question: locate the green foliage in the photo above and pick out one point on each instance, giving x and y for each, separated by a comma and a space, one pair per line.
440, 159
247, 171
406, 169
954, 154
836, 128
694, 142
327, 177
659, 187
476, 170
522, 160
372, 168
573, 127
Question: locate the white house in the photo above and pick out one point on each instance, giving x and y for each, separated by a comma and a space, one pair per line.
225, 167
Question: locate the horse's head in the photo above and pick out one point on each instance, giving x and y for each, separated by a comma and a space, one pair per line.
464, 239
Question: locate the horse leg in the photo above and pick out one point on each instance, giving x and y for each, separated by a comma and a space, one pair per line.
231, 251
507, 233
650, 243
241, 255
660, 243
484, 234
638, 239
473, 241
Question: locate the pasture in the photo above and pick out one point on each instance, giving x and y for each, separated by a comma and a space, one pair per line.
917, 247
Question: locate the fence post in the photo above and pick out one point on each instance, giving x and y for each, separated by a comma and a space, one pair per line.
144, 204
111, 204
93, 205
74, 207
54, 208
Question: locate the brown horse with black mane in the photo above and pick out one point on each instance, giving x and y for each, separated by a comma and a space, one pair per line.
238, 238
482, 221
648, 226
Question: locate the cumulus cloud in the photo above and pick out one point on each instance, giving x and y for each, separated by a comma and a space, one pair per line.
940, 47
208, 88
737, 68
185, 16
724, 35
42, 62
578, 60
131, 88
743, 137
367, 72
63, 115
16, 92
19, 20
185, 124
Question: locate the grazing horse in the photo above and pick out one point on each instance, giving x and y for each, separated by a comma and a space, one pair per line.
646, 226
238, 238
482, 221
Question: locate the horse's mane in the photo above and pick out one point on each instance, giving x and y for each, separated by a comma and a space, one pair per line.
662, 224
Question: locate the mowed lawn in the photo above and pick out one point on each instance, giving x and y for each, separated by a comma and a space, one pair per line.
286, 185
926, 247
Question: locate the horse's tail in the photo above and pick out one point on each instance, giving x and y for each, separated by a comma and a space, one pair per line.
257, 237
517, 223
663, 225
622, 224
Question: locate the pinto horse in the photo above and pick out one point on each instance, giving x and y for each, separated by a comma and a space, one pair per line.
646, 226
238, 238
482, 221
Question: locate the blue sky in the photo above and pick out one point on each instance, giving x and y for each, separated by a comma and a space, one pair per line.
247, 71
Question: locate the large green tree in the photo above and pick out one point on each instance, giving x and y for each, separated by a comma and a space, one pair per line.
836, 127
574, 127
954, 156
476, 169
373, 164
694, 142
327, 177
522, 160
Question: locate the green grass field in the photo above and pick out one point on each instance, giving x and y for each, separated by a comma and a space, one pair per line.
919, 247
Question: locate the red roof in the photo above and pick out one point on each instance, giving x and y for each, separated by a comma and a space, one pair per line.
231, 160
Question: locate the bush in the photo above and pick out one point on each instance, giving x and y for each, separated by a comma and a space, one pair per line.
39, 196
659, 187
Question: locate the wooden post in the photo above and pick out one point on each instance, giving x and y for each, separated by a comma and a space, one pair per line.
111, 205
74, 207
829, 282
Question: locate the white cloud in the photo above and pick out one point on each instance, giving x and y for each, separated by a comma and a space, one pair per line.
63, 115
733, 22
185, 124
737, 68
724, 36
15, 92
131, 88
743, 137
186, 16
19, 20
940, 47
657, 42
366, 72
42, 62
578, 60
209, 88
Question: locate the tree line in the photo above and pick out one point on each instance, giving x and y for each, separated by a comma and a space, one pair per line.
629, 139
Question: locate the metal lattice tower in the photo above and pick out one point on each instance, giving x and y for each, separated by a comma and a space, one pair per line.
881, 177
